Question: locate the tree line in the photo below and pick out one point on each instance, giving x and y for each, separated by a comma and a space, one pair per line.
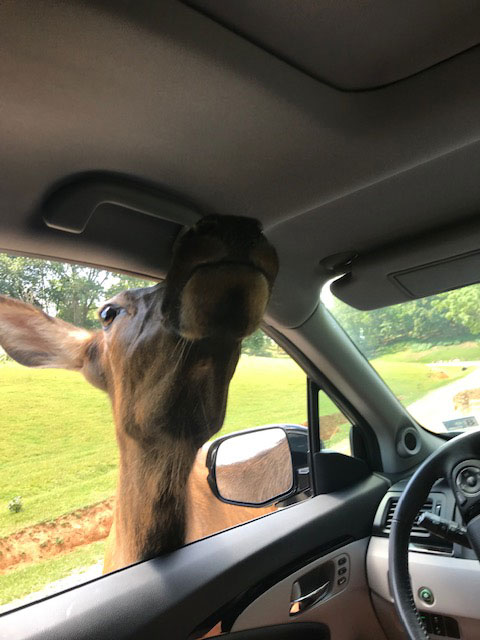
442, 319
67, 291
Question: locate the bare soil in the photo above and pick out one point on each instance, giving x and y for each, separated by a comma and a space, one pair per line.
329, 425
438, 375
54, 537
464, 400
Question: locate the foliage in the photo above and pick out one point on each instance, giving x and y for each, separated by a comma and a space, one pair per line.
121, 283
259, 344
68, 291
446, 318
15, 505
25, 279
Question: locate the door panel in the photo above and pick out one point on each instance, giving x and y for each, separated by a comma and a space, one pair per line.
174, 595
301, 631
345, 565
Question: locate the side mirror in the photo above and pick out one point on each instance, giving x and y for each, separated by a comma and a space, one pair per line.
260, 466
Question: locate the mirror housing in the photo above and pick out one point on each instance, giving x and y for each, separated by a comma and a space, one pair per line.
261, 466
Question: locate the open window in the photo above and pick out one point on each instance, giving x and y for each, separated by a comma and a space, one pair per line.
58, 447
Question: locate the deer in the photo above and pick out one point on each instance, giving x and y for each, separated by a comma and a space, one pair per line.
207, 515
165, 356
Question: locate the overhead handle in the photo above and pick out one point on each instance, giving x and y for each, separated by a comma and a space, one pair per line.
70, 208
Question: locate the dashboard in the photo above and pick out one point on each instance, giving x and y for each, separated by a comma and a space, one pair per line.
445, 577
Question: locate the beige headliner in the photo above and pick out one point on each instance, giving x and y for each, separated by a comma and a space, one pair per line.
161, 92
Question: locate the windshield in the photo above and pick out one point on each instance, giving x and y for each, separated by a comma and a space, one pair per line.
427, 351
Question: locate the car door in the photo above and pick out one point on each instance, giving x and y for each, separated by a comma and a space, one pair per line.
301, 564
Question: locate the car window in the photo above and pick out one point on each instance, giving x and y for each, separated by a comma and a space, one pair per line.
334, 426
426, 350
58, 450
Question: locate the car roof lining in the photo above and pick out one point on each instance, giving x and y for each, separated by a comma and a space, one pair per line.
162, 94
353, 46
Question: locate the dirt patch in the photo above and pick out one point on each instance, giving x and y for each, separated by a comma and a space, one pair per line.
329, 425
466, 400
54, 537
438, 375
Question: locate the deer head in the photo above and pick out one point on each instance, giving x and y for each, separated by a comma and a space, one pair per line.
165, 356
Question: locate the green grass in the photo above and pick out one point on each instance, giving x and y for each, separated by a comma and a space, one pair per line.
58, 448
21, 582
412, 380
467, 351
264, 391
57, 444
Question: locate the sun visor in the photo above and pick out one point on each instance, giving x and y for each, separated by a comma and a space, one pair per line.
422, 266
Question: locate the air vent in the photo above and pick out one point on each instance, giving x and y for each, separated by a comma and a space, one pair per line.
416, 530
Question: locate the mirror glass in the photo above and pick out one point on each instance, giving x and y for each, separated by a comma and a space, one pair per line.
254, 467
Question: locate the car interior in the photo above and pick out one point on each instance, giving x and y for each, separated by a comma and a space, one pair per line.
352, 132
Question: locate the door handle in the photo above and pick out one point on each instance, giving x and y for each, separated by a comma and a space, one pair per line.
297, 605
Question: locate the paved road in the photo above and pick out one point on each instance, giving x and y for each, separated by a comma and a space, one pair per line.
437, 406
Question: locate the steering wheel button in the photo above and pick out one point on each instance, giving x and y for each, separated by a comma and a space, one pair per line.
438, 625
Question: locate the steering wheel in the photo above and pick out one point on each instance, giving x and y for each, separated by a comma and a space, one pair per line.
458, 461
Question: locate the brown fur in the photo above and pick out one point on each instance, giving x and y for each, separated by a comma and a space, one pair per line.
166, 361
205, 514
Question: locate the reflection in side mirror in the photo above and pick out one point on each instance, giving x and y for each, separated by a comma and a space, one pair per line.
254, 468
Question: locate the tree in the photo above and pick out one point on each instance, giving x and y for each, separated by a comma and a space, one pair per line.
122, 283
76, 292
449, 317
24, 279
68, 291
258, 344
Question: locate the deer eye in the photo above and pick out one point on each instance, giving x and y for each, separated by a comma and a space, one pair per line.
108, 314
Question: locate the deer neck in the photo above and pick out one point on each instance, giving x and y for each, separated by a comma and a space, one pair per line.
160, 427
150, 517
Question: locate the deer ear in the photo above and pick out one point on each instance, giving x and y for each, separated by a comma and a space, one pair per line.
34, 339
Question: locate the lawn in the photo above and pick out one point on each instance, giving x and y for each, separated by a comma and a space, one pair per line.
412, 380
58, 449
466, 351
22, 582
57, 442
